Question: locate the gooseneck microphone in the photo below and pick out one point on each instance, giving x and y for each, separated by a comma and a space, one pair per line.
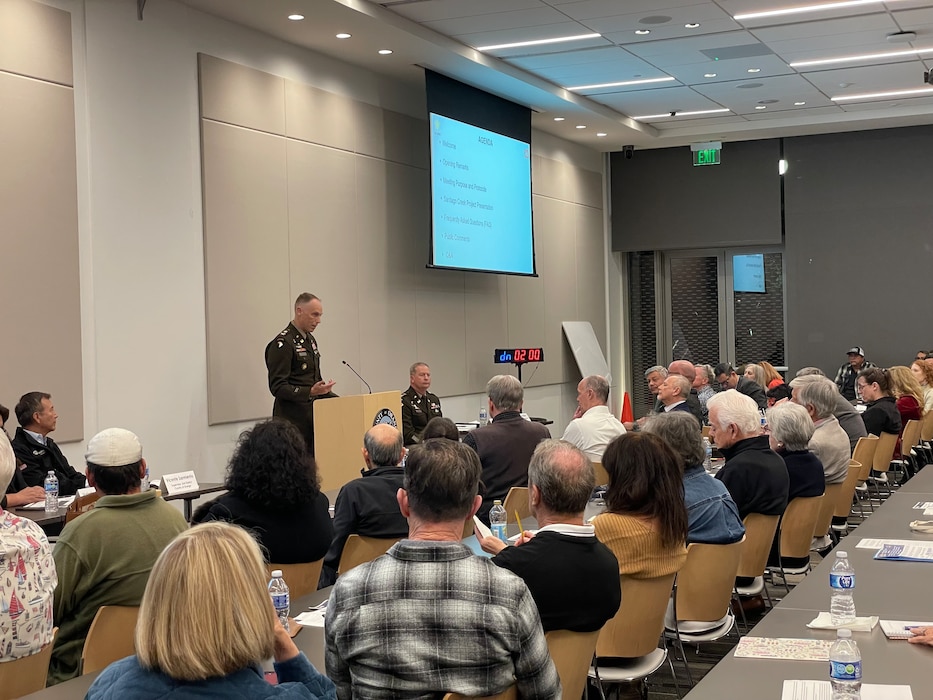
350, 367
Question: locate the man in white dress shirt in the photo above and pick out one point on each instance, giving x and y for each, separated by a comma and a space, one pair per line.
593, 427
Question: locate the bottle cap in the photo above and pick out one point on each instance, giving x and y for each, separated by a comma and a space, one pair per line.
277, 573
842, 555
844, 633
497, 502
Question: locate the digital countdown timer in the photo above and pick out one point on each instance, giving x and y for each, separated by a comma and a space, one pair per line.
518, 356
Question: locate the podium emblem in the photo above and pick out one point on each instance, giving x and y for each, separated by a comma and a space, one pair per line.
386, 416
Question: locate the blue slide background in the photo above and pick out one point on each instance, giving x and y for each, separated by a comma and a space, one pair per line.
481, 199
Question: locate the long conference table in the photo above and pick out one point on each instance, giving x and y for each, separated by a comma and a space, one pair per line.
892, 590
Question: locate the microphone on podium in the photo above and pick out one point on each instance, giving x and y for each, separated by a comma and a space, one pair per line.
358, 375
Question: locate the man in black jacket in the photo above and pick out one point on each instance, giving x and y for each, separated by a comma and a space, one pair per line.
36, 450
728, 379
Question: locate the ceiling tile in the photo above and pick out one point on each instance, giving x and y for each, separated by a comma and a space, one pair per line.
501, 21
736, 69
546, 31
772, 113
691, 47
450, 9
711, 121
891, 76
573, 58
786, 89
658, 101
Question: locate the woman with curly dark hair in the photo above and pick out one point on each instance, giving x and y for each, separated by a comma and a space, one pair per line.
274, 491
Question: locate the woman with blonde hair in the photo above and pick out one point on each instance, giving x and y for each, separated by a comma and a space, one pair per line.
772, 376
206, 623
923, 373
907, 391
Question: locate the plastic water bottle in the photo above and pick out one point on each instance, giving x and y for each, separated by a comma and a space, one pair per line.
483, 416
497, 521
842, 583
845, 667
278, 590
144, 482
708, 454
51, 493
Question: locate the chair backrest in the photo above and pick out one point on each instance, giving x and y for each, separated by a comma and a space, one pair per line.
885, 452
844, 497
759, 534
301, 578
112, 636
910, 437
825, 517
81, 505
797, 525
572, 653
926, 426
28, 674
508, 694
704, 584
359, 550
516, 501
602, 476
636, 627
705, 431
864, 454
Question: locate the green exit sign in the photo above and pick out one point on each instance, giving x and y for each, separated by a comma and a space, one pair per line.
706, 156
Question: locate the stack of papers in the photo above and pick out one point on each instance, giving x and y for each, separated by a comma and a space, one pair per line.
821, 690
313, 617
63, 503
900, 629
792, 649
906, 552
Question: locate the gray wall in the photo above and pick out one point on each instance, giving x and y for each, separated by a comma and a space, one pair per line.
859, 246
306, 190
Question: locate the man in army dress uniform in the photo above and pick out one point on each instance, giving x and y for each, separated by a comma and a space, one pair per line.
294, 365
418, 404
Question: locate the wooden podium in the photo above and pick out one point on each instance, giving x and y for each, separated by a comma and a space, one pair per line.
339, 426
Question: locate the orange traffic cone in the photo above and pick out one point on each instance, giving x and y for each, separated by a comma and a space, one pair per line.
627, 415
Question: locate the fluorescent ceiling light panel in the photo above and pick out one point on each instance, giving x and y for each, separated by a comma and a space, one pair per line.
623, 83
668, 115
538, 42
878, 95
822, 7
861, 57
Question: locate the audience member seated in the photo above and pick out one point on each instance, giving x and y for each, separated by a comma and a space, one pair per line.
850, 420
712, 515
923, 373
645, 524
505, 445
18, 492
429, 617
777, 394
756, 374
846, 375
685, 369
36, 450
368, 506
440, 427
728, 379
273, 490
755, 476
908, 394
772, 376
817, 395
673, 394
791, 430
654, 376
593, 426
105, 556
418, 404
206, 626
881, 415
560, 481
27, 576
701, 384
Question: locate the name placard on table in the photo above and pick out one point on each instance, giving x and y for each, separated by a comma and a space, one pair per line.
180, 482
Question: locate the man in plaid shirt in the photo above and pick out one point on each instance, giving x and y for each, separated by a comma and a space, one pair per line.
429, 617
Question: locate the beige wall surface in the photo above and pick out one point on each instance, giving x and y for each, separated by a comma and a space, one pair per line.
41, 315
345, 185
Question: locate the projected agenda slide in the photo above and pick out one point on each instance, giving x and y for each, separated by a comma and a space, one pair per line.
481, 199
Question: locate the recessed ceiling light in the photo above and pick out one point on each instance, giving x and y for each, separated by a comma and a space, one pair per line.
754, 70
806, 8
709, 75
860, 57
601, 133
343, 35
642, 32
691, 25
581, 126
643, 81
879, 95
296, 17
668, 115
558, 119
761, 106
538, 42
385, 52
799, 104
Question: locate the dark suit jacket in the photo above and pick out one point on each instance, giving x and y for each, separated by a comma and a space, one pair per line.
41, 459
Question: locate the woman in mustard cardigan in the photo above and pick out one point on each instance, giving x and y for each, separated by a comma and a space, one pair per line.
645, 525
